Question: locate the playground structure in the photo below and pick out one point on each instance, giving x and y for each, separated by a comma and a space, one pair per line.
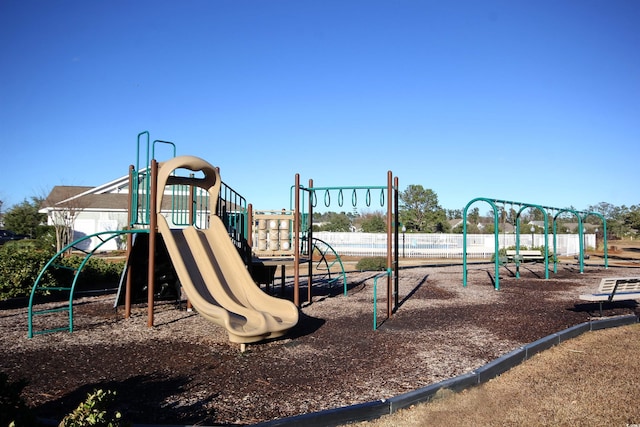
190, 214
216, 244
201, 222
545, 210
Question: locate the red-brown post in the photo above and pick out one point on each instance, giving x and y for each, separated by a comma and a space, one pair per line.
128, 266
192, 220
389, 244
153, 229
310, 244
296, 243
397, 241
250, 225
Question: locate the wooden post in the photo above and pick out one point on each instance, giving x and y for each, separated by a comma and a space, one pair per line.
128, 265
389, 246
296, 243
250, 225
153, 230
310, 245
395, 230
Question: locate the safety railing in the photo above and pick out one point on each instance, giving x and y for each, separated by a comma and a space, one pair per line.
189, 205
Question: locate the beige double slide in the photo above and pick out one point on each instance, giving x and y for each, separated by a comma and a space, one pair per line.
210, 269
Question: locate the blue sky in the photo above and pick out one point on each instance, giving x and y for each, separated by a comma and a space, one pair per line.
533, 101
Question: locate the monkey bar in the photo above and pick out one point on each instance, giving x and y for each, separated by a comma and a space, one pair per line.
303, 226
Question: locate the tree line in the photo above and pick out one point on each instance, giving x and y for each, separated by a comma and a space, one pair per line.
24, 218
419, 212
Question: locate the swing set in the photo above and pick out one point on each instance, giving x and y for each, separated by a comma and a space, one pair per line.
547, 212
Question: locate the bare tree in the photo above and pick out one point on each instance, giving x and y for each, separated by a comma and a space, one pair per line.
64, 207
63, 221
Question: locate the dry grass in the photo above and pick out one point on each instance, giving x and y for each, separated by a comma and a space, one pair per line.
591, 380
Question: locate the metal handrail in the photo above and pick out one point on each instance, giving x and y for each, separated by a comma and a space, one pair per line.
387, 273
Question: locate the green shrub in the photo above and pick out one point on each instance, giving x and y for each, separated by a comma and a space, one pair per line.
501, 253
21, 263
46, 237
95, 411
13, 409
95, 269
372, 264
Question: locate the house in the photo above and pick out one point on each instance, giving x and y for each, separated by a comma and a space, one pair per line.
106, 208
96, 209
481, 226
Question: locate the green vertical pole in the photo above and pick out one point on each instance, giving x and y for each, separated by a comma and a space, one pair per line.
516, 259
555, 244
581, 243
546, 245
464, 245
496, 242
606, 255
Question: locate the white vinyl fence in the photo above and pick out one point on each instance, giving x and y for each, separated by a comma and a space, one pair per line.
414, 245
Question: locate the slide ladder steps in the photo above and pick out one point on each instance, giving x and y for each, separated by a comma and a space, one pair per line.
63, 308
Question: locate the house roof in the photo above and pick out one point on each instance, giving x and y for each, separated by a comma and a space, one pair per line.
79, 198
63, 192
84, 198
503, 226
113, 195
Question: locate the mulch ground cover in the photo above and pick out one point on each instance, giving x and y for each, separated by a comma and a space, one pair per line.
184, 371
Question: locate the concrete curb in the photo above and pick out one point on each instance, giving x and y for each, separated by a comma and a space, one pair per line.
335, 417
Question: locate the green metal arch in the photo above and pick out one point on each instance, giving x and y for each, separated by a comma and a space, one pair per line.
581, 247
581, 240
604, 234
464, 240
70, 289
546, 236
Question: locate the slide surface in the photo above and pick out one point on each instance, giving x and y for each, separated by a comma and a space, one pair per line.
210, 269
220, 287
